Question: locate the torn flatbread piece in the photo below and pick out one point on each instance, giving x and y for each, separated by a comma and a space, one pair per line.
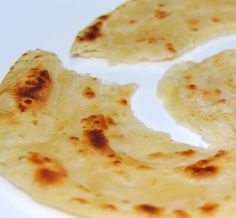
202, 97
73, 143
155, 30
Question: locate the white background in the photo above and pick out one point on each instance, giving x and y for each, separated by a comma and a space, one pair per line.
52, 25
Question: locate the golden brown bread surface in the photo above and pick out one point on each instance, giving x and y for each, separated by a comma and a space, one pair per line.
73, 143
154, 30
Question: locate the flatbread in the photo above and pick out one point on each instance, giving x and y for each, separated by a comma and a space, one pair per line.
73, 143
202, 97
154, 30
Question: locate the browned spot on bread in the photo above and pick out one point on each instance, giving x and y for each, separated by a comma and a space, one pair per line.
37, 158
123, 102
149, 40
74, 139
218, 91
95, 122
219, 154
132, 21
125, 201
94, 31
209, 208
12, 68
227, 197
142, 39
98, 141
215, 19
82, 152
121, 173
206, 92
116, 162
37, 56
98, 121
221, 101
201, 172
24, 54
104, 17
193, 22
21, 158
143, 167
81, 187
48, 171
89, 93
110, 121
161, 14
192, 87
181, 214
22, 107
111, 156
161, 5
109, 207
115, 159
170, 47
152, 40
188, 77
230, 83
156, 155
205, 168
203, 162
80, 200
187, 153
194, 29
149, 209
35, 89
47, 177
28, 101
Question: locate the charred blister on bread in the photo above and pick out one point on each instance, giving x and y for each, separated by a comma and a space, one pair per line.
35, 89
48, 171
209, 208
94, 31
49, 177
98, 140
149, 210
206, 168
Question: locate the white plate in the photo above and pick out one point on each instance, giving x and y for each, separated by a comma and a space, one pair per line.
52, 25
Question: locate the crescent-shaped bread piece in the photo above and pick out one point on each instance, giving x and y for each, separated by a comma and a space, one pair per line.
154, 30
73, 143
202, 96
